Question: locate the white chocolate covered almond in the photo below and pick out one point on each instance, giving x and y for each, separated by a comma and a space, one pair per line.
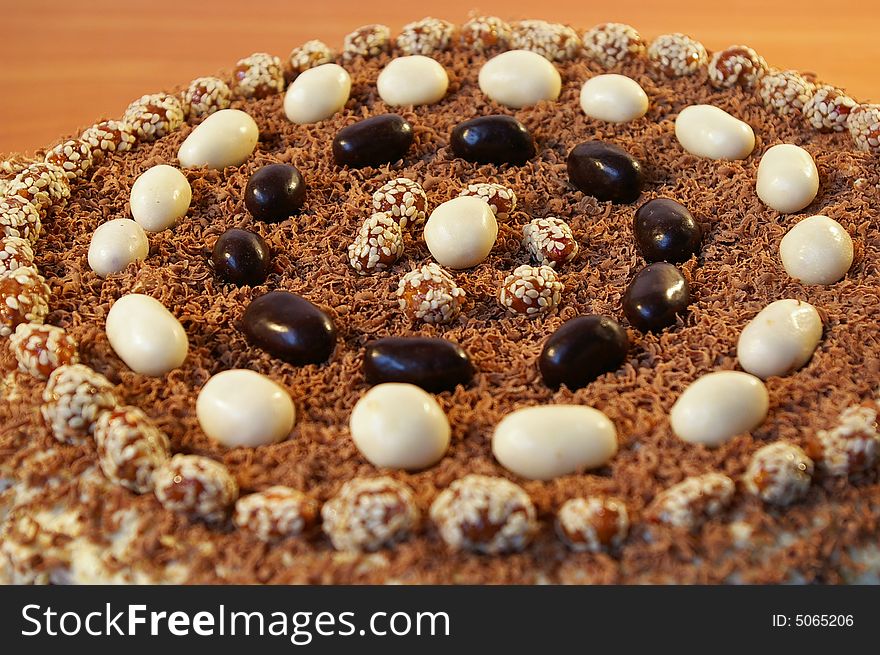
145, 335
519, 78
788, 179
225, 138
780, 339
708, 131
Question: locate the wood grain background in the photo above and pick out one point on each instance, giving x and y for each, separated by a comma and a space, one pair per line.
64, 64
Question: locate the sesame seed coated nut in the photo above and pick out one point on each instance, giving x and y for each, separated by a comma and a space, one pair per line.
530, 290
276, 513
109, 136
501, 199
430, 294
485, 33
310, 54
404, 200
852, 446
43, 184
378, 244
779, 474
677, 55
484, 514
425, 37
24, 298
370, 513
864, 127
206, 95
737, 65
130, 448
40, 349
592, 524
692, 501
74, 157
195, 486
610, 44
366, 41
15, 252
74, 398
552, 41
20, 218
151, 117
549, 241
828, 109
258, 76
785, 92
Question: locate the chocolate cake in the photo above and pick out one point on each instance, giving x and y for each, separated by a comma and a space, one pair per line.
435, 320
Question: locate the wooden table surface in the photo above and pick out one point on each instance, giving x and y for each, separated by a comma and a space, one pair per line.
64, 65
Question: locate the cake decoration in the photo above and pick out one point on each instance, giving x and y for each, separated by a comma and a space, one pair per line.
484, 514
74, 157
24, 298
378, 244
863, 124
153, 116
317, 93
241, 257
582, 349
553, 41
206, 95
370, 513
665, 231
718, 406
461, 232
486, 33
289, 327
738, 65
613, 98
549, 241
196, 486
519, 78
425, 37
74, 398
592, 525
496, 139
530, 290
787, 179
366, 41
708, 131
610, 44
109, 136
404, 200
116, 244
550, 441
373, 141
258, 76
240, 408
605, 171
413, 80
656, 297
399, 426
779, 473
780, 339
130, 448
159, 198
817, 250
43, 184
828, 109
851, 447
225, 138
40, 349
15, 252
20, 218
431, 363
785, 92
276, 513
501, 199
693, 501
677, 54
310, 54
275, 192
430, 294
145, 335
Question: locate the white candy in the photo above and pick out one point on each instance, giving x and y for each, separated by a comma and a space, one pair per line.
780, 339
225, 138
115, 245
613, 98
788, 179
317, 93
145, 335
399, 426
707, 131
159, 198
818, 250
719, 406
241, 408
460, 233
414, 80
519, 78
545, 442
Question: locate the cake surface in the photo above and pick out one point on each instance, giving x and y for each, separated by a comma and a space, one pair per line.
63, 521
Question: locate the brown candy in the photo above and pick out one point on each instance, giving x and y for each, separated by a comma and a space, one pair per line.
552, 41
74, 157
485, 33
276, 513
206, 95
501, 199
151, 117
40, 349
258, 76
779, 474
430, 294
425, 37
737, 65
610, 44
196, 486
74, 398
24, 298
43, 184
549, 241
828, 109
531, 291
402, 199
130, 448
20, 218
378, 244
15, 252
693, 501
850, 447
592, 524
109, 136
366, 41
677, 55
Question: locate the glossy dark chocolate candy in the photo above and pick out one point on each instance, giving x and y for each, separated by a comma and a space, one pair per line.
605, 171
666, 231
433, 364
241, 257
275, 192
495, 139
290, 328
582, 349
656, 295
373, 141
